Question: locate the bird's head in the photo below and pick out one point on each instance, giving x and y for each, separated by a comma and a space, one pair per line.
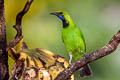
64, 16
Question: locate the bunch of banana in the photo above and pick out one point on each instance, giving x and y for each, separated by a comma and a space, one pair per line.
36, 64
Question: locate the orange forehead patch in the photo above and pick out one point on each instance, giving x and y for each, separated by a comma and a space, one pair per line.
58, 11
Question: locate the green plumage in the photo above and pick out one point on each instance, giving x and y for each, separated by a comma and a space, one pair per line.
73, 40
72, 36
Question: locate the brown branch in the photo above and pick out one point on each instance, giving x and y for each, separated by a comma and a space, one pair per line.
19, 17
18, 25
107, 49
3, 54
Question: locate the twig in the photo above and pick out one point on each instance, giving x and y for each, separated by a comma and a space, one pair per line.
20, 16
18, 26
107, 49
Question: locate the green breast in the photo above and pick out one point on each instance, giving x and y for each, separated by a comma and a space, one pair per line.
74, 41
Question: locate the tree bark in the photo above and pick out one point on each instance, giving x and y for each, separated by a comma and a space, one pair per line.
3, 43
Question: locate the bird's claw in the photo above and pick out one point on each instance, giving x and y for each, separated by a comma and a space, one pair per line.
83, 52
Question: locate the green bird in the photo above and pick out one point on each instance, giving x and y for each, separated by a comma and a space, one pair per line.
73, 40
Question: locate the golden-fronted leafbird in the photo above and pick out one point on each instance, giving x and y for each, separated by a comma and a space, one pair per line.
73, 40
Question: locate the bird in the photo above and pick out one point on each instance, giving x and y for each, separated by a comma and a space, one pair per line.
73, 40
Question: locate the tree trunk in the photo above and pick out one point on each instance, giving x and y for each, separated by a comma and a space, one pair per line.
3, 54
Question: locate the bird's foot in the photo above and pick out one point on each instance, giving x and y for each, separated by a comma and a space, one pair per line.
70, 55
83, 52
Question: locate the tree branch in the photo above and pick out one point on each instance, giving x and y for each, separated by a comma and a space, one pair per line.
19, 17
18, 25
19, 64
3, 54
107, 49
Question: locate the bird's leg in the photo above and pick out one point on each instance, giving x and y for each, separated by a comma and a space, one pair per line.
70, 55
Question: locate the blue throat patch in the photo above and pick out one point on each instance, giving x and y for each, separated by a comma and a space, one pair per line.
61, 17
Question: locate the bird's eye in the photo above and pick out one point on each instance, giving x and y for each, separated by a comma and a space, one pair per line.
60, 13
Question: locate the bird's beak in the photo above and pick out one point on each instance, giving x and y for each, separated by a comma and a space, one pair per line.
54, 13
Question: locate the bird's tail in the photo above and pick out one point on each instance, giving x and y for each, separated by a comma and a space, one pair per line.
85, 71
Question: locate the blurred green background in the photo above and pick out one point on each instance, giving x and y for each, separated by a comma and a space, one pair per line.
99, 20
